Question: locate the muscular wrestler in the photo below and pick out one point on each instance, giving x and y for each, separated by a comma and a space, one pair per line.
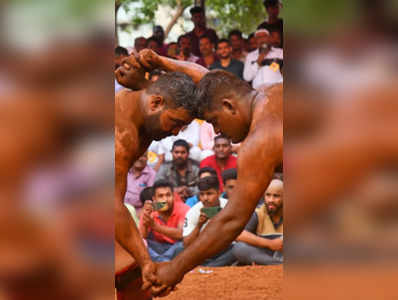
142, 116
252, 117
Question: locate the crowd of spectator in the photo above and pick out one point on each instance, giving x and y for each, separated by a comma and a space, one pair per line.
183, 181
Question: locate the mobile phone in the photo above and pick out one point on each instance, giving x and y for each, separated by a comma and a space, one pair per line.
160, 206
210, 212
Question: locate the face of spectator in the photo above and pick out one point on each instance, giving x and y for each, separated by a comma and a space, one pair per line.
185, 45
273, 11
153, 46
198, 20
141, 163
205, 47
210, 197
253, 45
180, 155
273, 197
172, 50
262, 38
222, 148
229, 187
224, 50
158, 33
164, 194
236, 41
140, 44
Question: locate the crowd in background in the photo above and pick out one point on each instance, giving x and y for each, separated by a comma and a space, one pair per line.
183, 181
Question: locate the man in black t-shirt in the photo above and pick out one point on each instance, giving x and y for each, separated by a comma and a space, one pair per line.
226, 62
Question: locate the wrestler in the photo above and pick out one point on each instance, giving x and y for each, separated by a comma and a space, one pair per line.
152, 112
252, 117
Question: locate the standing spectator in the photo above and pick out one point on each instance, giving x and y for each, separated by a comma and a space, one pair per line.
158, 34
120, 54
184, 49
226, 62
203, 172
182, 171
139, 44
162, 226
262, 241
139, 177
237, 44
207, 51
251, 42
199, 20
222, 159
263, 65
199, 215
272, 21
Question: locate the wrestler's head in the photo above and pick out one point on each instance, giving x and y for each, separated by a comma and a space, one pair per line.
169, 105
223, 102
131, 74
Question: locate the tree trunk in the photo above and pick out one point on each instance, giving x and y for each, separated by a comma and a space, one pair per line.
117, 6
178, 14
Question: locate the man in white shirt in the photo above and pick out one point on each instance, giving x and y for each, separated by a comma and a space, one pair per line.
199, 216
263, 65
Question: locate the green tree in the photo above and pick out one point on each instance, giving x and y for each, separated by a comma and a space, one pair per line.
222, 15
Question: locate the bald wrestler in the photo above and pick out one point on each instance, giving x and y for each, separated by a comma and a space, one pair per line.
152, 112
251, 117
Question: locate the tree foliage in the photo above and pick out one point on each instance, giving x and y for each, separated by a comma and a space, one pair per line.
222, 15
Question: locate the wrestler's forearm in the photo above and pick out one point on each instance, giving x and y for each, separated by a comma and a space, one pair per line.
129, 237
195, 71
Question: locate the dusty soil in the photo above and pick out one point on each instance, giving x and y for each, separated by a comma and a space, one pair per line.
231, 283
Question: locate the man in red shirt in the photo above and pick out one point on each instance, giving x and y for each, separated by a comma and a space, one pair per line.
161, 222
222, 159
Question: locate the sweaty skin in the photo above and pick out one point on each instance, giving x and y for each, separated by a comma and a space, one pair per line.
262, 151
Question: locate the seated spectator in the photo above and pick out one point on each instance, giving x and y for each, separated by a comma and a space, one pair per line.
154, 45
204, 172
226, 62
188, 133
272, 22
251, 43
158, 34
199, 20
237, 44
172, 50
139, 44
207, 51
120, 54
229, 178
184, 49
222, 159
181, 172
262, 240
161, 223
139, 177
263, 65
199, 215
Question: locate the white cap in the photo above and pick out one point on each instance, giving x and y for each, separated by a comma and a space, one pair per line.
262, 30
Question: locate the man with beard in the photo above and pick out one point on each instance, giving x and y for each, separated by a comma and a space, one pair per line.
226, 62
222, 159
261, 241
182, 171
141, 116
253, 117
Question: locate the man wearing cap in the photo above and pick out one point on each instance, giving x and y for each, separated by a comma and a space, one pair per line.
272, 21
263, 65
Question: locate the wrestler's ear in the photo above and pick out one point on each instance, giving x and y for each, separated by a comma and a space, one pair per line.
229, 106
156, 103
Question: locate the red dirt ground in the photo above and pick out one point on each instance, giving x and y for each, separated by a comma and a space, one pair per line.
231, 283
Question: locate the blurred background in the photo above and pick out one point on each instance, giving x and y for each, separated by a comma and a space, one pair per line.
341, 149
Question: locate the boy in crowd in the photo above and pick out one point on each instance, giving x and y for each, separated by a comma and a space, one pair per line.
203, 172
199, 215
161, 222
229, 178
